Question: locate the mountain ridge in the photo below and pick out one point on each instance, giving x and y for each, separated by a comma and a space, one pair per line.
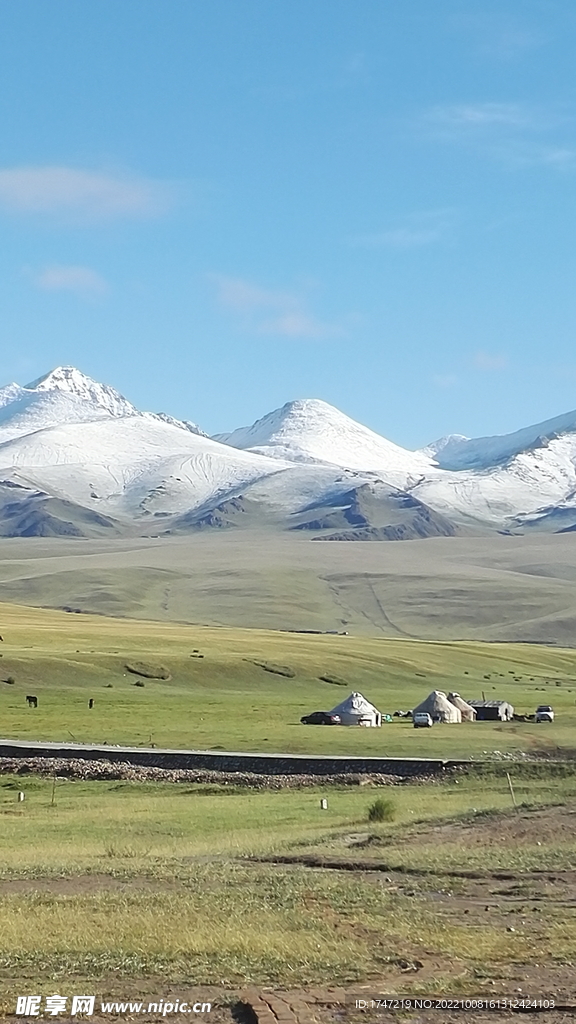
79, 442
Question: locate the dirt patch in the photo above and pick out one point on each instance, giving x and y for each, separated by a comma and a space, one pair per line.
557, 824
86, 885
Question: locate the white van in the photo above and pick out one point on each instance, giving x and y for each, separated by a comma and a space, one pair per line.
422, 720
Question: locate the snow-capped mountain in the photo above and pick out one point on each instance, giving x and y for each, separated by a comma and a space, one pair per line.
67, 380
505, 480
459, 452
71, 447
312, 431
65, 395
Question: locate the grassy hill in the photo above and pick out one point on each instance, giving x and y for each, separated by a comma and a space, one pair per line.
246, 689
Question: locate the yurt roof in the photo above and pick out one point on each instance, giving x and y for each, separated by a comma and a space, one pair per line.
437, 702
459, 702
355, 704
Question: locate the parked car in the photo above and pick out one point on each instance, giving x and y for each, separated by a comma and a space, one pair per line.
321, 718
544, 713
422, 720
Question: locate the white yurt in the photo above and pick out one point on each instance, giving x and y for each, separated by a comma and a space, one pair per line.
468, 713
356, 710
439, 707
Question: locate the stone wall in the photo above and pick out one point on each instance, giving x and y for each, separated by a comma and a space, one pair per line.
263, 764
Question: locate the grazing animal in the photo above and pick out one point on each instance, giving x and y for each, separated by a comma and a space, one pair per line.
32, 701
91, 703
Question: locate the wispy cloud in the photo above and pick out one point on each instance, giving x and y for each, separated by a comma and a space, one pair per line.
271, 311
445, 380
80, 194
456, 118
515, 134
417, 229
490, 361
246, 297
500, 34
81, 280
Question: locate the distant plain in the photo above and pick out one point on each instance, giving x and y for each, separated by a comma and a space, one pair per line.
492, 587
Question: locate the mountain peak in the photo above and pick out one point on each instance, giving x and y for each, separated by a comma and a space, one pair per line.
70, 381
311, 430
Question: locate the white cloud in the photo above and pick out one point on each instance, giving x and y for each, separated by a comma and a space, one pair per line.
445, 380
418, 229
78, 194
490, 361
297, 325
82, 280
466, 116
243, 296
515, 134
271, 311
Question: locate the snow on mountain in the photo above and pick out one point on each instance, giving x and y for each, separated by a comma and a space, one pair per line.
10, 393
495, 479
83, 442
129, 466
184, 424
312, 431
459, 452
35, 411
448, 441
66, 395
531, 480
70, 381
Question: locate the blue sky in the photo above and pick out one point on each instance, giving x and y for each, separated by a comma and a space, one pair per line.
221, 206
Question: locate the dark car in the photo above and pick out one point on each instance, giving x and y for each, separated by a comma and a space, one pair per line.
321, 718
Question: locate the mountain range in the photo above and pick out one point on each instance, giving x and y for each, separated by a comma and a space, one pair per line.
78, 459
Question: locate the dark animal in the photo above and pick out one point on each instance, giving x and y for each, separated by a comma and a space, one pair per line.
32, 701
91, 702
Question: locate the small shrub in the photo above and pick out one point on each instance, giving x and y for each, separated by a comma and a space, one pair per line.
139, 683
141, 668
335, 680
382, 810
278, 670
10, 680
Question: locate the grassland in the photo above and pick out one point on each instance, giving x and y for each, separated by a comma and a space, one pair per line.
148, 883
229, 699
132, 881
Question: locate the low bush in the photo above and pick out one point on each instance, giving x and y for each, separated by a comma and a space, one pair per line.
278, 670
141, 668
382, 809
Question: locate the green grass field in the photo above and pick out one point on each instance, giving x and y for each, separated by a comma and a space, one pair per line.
125, 881
226, 700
